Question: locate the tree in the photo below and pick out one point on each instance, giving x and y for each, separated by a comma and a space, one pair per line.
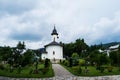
27, 58
75, 58
99, 58
94, 57
6, 53
80, 46
114, 57
103, 59
46, 63
20, 45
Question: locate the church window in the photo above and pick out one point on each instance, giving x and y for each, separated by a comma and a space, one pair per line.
53, 52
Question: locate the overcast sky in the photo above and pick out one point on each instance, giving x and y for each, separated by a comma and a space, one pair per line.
32, 21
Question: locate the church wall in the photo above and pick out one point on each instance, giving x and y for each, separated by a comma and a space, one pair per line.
44, 55
54, 52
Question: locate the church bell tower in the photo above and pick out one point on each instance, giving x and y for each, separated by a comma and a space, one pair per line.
54, 34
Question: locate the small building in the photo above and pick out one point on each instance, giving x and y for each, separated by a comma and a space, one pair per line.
53, 50
110, 49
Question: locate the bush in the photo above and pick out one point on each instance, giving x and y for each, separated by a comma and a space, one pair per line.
31, 71
70, 62
36, 71
66, 63
101, 69
19, 70
80, 70
2, 67
110, 68
45, 70
63, 61
47, 62
60, 61
81, 62
75, 62
77, 69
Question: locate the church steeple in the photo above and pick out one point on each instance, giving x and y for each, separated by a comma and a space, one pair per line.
54, 34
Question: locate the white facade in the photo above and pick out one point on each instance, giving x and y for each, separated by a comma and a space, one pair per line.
54, 52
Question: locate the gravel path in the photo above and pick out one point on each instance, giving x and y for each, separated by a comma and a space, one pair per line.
60, 71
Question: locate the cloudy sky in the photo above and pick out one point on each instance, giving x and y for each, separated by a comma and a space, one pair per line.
32, 21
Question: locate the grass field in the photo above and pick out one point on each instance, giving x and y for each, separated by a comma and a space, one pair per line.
92, 71
25, 72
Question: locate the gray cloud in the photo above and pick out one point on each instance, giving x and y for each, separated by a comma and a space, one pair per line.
16, 6
26, 36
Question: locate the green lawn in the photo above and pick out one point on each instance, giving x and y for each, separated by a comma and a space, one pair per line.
25, 73
92, 71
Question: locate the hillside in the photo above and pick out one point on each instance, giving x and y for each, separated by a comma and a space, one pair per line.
107, 45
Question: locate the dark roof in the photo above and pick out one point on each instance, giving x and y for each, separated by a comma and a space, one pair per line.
54, 32
53, 43
43, 50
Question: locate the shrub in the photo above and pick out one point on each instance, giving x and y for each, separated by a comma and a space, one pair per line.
70, 62
101, 69
81, 62
66, 63
45, 70
36, 71
63, 61
2, 67
19, 70
60, 61
31, 71
80, 70
75, 62
47, 62
77, 69
110, 68
75, 56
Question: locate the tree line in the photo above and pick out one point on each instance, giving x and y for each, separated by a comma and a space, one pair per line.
91, 53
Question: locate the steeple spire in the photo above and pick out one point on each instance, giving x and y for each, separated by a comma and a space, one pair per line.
54, 34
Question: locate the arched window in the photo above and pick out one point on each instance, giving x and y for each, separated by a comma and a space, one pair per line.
53, 52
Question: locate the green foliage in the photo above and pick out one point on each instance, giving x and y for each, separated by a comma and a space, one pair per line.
77, 69
31, 71
81, 62
78, 46
27, 72
19, 69
27, 58
99, 58
103, 59
102, 69
92, 71
2, 67
75, 62
115, 57
21, 45
80, 70
5, 53
66, 63
70, 62
47, 61
75, 56
45, 70
110, 69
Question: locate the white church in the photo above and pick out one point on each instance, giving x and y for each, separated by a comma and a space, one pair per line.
53, 50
